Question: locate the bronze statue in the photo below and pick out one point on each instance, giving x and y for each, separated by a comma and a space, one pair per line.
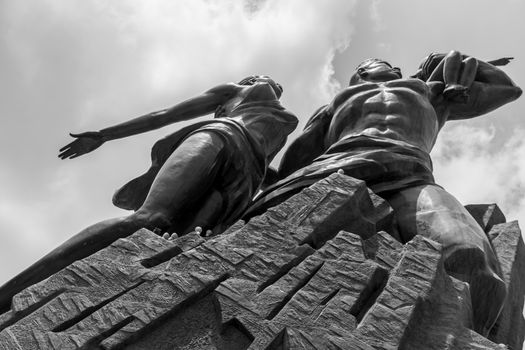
203, 175
381, 129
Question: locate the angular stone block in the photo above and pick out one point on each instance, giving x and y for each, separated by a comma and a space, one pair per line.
508, 245
70, 297
486, 215
311, 273
385, 218
114, 297
471, 340
387, 322
421, 307
384, 249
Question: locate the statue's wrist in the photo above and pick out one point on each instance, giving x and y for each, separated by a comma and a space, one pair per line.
106, 135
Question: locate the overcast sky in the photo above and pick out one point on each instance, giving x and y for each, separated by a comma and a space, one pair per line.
73, 66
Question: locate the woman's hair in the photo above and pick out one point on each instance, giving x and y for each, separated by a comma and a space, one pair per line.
250, 80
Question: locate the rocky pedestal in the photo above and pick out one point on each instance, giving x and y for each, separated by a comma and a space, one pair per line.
319, 271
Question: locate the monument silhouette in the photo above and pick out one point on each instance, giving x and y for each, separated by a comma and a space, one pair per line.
349, 244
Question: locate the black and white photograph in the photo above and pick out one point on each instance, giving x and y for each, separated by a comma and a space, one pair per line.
262, 174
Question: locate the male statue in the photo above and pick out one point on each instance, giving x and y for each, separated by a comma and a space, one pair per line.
381, 129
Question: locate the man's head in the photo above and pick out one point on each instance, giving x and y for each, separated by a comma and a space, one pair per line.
253, 79
374, 70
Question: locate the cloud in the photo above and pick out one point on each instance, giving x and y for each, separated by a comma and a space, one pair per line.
99, 53
471, 165
87, 65
376, 15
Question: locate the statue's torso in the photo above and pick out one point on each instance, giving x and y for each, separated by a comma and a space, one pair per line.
258, 109
398, 109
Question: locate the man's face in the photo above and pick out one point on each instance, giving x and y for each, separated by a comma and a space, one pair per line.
375, 71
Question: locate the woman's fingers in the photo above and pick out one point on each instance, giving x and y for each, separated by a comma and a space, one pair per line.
65, 148
64, 153
70, 151
76, 155
67, 154
69, 145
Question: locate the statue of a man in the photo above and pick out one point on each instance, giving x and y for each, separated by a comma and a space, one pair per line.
381, 129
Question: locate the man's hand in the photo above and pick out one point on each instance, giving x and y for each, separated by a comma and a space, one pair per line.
501, 61
84, 143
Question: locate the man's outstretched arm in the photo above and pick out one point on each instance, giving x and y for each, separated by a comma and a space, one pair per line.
490, 88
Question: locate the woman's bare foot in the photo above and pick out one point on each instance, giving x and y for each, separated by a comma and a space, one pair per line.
170, 237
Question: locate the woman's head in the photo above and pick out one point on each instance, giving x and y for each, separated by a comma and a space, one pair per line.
253, 79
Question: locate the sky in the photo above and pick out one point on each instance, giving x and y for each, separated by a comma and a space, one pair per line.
74, 66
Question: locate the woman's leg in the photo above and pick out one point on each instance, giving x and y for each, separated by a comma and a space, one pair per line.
457, 74
184, 179
468, 72
452, 69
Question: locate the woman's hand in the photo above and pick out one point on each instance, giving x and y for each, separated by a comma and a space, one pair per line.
84, 143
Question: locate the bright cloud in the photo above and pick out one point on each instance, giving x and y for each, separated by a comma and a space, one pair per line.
76, 66
468, 164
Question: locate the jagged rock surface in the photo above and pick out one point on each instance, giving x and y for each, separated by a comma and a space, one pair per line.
508, 245
311, 273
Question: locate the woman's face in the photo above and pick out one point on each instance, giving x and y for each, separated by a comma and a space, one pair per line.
277, 88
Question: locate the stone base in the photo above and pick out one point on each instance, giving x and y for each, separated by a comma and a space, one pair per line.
311, 273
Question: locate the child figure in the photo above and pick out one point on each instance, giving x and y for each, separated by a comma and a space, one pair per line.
457, 71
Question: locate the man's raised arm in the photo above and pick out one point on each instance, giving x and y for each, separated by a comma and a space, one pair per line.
491, 89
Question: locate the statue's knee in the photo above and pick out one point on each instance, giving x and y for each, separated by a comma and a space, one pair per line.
152, 220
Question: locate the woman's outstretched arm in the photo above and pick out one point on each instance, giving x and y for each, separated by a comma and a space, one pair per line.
203, 104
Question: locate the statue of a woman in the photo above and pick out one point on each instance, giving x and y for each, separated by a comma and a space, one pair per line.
204, 175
